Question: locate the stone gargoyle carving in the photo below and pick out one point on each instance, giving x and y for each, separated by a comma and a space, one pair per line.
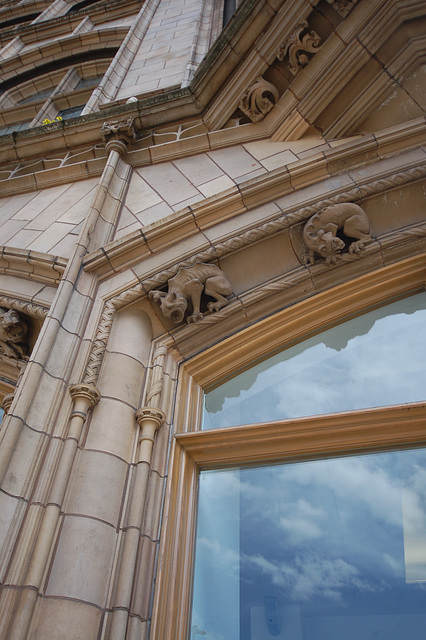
13, 332
186, 287
320, 232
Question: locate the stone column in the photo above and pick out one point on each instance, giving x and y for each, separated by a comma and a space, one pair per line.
84, 398
36, 436
149, 420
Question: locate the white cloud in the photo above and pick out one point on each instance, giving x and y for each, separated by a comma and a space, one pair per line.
311, 576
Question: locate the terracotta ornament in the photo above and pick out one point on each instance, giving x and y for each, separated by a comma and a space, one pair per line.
320, 232
186, 287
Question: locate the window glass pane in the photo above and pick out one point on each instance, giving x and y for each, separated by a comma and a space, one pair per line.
374, 360
322, 550
37, 96
71, 112
18, 126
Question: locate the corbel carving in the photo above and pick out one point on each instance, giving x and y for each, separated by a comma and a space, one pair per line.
186, 287
119, 130
259, 99
343, 7
297, 48
13, 333
320, 232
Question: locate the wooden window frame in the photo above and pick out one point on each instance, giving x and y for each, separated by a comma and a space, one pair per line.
344, 433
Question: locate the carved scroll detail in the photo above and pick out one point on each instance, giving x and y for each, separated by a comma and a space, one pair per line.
343, 7
185, 291
297, 48
259, 99
320, 232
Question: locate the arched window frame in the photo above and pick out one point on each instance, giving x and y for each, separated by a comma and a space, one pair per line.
350, 432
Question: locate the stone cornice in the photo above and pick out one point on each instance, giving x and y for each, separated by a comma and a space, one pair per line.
340, 161
247, 42
35, 265
66, 23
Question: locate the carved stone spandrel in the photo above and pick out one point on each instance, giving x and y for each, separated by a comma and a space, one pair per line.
259, 99
320, 232
185, 290
13, 334
298, 47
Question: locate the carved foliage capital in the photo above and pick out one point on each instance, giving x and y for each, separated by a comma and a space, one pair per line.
86, 392
259, 99
298, 47
152, 414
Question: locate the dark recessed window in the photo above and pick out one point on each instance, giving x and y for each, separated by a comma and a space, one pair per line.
72, 112
82, 5
18, 126
37, 96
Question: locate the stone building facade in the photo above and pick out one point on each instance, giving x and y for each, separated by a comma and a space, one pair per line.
180, 200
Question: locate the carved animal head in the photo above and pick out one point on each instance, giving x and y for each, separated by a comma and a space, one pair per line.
173, 304
14, 328
328, 245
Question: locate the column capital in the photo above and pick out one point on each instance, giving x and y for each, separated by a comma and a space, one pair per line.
152, 414
7, 401
85, 392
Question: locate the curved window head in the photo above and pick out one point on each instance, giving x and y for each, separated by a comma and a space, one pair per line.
373, 360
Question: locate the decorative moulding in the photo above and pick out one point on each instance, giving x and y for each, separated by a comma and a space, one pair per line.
256, 192
259, 99
38, 266
299, 48
325, 308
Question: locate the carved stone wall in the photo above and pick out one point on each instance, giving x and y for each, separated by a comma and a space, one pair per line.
283, 169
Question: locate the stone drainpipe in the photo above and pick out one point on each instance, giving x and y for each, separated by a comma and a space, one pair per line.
97, 231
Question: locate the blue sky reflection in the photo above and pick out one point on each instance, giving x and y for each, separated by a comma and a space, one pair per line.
375, 360
318, 546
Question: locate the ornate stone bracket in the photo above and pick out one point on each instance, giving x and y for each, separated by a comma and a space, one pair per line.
117, 134
320, 232
297, 48
185, 290
343, 7
259, 99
